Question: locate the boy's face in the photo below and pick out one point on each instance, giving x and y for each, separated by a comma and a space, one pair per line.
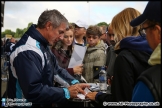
92, 40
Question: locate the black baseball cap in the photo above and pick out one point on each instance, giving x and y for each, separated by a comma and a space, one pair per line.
152, 12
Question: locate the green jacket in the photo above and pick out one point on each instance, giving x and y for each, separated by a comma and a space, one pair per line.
94, 56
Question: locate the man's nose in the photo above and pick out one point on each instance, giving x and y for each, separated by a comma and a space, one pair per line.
69, 39
112, 38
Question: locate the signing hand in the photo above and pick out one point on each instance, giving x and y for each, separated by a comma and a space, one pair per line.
81, 87
91, 95
73, 90
77, 88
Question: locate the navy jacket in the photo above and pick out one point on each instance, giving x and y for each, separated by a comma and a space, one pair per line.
33, 69
131, 61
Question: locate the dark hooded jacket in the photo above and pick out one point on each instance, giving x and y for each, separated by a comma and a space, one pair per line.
131, 61
148, 86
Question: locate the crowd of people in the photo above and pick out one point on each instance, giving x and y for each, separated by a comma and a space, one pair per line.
129, 47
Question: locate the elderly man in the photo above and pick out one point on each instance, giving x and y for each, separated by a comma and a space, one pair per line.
34, 68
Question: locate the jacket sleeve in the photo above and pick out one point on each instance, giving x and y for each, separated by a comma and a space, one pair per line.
111, 56
103, 97
28, 69
62, 76
122, 83
123, 80
70, 70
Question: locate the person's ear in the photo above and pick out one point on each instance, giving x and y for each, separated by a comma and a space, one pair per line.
48, 24
85, 31
159, 31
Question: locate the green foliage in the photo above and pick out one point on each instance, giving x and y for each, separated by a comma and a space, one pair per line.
18, 34
24, 30
29, 25
7, 32
3, 34
12, 33
102, 23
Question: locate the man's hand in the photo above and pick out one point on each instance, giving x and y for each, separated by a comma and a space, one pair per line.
81, 87
77, 88
73, 90
91, 95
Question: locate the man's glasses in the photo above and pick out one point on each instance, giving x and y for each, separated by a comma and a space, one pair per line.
142, 31
108, 34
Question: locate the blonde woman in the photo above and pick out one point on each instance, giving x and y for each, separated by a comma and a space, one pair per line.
132, 52
63, 50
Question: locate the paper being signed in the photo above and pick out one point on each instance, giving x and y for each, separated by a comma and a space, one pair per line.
82, 96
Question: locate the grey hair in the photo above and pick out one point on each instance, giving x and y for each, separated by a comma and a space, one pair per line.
53, 16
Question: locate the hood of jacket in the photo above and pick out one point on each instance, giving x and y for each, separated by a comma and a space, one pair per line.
138, 46
155, 56
135, 43
99, 46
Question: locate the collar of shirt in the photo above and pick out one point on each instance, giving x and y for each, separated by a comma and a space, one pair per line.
77, 42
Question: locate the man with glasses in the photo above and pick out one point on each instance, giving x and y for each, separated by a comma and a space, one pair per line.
148, 87
111, 56
110, 35
104, 33
107, 35
104, 36
108, 38
142, 31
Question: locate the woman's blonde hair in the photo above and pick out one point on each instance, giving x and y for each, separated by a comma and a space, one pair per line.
121, 24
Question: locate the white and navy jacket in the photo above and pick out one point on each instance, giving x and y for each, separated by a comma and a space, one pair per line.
33, 69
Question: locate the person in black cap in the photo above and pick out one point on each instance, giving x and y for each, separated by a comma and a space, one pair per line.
148, 86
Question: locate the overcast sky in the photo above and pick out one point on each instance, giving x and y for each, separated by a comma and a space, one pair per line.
19, 14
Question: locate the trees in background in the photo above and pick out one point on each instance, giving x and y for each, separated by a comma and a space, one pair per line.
19, 32
102, 23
